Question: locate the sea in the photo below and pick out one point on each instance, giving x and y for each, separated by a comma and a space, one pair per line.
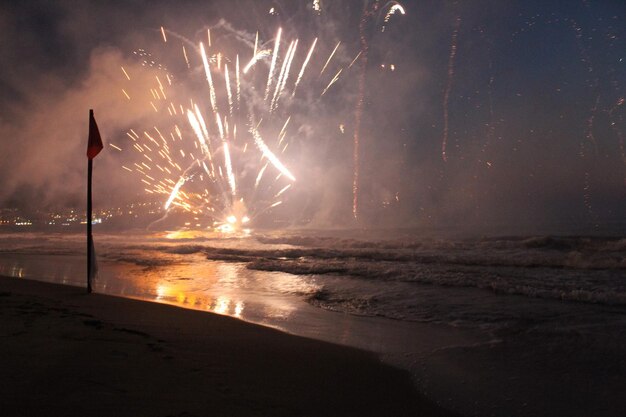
400, 293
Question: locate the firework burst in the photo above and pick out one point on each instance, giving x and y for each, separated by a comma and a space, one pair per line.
217, 148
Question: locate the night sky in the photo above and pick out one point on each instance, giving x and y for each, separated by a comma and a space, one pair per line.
526, 97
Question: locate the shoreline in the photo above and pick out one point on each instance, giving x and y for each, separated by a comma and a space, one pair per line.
67, 352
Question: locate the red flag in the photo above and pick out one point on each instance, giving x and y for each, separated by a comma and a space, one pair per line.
95, 141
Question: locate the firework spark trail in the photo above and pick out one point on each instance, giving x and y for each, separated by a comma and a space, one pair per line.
257, 56
304, 65
238, 81
335, 78
446, 95
220, 127
227, 159
209, 79
283, 131
229, 169
358, 111
228, 90
329, 58
199, 126
195, 125
354, 60
590, 125
175, 191
587, 197
258, 140
270, 75
618, 132
589, 136
259, 176
125, 73
397, 7
161, 88
288, 70
283, 68
186, 57
285, 188
593, 85
202, 124
491, 129
281, 76
256, 43
282, 81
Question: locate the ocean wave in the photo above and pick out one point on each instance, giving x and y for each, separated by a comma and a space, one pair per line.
565, 268
412, 242
537, 252
143, 261
606, 287
572, 268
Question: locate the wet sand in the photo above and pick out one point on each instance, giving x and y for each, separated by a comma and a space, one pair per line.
65, 352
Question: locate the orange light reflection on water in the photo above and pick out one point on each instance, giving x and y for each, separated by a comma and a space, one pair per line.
193, 281
220, 230
180, 293
222, 288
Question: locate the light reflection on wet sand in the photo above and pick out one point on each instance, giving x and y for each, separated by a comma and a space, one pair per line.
222, 288
193, 282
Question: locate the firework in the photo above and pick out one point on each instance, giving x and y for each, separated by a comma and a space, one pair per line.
194, 155
446, 94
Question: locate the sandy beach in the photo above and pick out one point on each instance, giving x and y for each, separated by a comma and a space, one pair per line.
65, 352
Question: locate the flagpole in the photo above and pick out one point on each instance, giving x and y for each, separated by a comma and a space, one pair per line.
89, 214
94, 146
